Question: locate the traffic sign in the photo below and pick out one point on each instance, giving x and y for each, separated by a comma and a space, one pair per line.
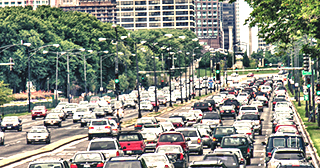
317, 99
306, 97
306, 72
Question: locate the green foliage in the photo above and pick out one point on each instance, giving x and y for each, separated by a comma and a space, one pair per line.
245, 60
5, 93
253, 64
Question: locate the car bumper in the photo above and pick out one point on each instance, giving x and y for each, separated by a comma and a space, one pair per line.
37, 140
179, 164
151, 146
38, 115
104, 134
133, 152
50, 123
195, 148
207, 141
10, 127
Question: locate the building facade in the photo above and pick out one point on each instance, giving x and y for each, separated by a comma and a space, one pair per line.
103, 10
227, 13
208, 23
155, 14
33, 3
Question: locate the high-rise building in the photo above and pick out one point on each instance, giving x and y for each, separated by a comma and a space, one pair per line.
103, 10
155, 14
33, 3
207, 23
227, 13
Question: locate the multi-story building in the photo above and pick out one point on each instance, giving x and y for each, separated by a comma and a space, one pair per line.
33, 3
227, 13
103, 10
207, 23
155, 14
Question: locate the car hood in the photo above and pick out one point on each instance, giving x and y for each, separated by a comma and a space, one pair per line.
38, 134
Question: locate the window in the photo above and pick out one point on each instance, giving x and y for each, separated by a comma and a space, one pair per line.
154, 25
126, 3
127, 25
278, 142
141, 19
12, 3
140, 3
182, 24
154, 19
127, 20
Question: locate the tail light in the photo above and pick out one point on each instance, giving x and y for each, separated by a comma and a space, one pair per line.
232, 111
138, 126
200, 114
249, 133
91, 127
241, 160
73, 165
117, 154
248, 150
269, 154
181, 156
115, 129
274, 102
100, 164
199, 140
214, 139
222, 111
259, 121
166, 166
201, 121
238, 106
107, 126
206, 136
219, 121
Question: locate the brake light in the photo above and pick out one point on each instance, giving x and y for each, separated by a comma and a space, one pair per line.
117, 154
199, 140
214, 139
241, 160
73, 165
201, 121
219, 121
166, 166
269, 154
237, 106
138, 125
249, 133
274, 102
222, 111
232, 111
115, 129
259, 121
181, 156
91, 127
107, 126
100, 164
248, 150
200, 114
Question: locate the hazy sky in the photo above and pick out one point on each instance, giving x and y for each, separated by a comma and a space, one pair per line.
244, 12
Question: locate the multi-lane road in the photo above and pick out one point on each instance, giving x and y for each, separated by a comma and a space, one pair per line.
16, 142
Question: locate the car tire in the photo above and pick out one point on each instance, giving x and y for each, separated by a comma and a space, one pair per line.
200, 152
28, 142
251, 154
81, 125
33, 118
90, 137
151, 110
74, 121
248, 161
59, 125
48, 141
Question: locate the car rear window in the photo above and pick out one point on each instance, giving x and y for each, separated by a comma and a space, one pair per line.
124, 164
51, 164
102, 145
189, 133
250, 117
171, 138
248, 108
289, 155
201, 105
151, 126
211, 116
87, 157
129, 137
234, 141
228, 160
224, 131
99, 122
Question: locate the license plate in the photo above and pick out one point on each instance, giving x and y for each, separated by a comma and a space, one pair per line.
86, 165
129, 152
38, 114
9, 127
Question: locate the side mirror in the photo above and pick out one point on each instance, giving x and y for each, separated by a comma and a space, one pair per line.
306, 144
124, 147
261, 119
309, 158
263, 143
70, 160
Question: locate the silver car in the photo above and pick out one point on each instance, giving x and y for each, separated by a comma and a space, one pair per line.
196, 143
109, 146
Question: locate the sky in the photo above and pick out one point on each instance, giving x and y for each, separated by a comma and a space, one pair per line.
244, 13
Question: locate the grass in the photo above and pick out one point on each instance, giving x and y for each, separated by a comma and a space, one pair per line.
17, 114
312, 128
261, 71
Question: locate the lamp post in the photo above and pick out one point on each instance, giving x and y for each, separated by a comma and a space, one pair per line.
170, 90
101, 87
186, 82
29, 73
193, 91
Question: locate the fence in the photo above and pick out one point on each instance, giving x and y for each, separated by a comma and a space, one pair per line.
25, 108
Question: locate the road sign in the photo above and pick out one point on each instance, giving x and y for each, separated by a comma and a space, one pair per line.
306, 72
306, 97
317, 99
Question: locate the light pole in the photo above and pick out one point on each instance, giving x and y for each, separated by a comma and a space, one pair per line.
180, 77
193, 91
186, 82
101, 87
29, 73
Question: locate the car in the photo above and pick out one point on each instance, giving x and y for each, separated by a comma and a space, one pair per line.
286, 155
110, 147
236, 151
159, 160
86, 119
167, 126
150, 140
255, 120
250, 75
11, 123
176, 122
141, 121
146, 105
173, 138
1, 137
162, 100
259, 104
248, 109
234, 102
219, 132
61, 114
286, 129
39, 112
107, 110
244, 128
212, 103
129, 103
243, 98
88, 159
241, 142
52, 119
132, 142
264, 100
211, 119
155, 128
55, 163
295, 165
206, 135
228, 111
134, 162
70, 108
229, 159
203, 106
99, 112
38, 134
207, 163
198, 114
79, 113
92, 106
175, 153
99, 128
191, 118
195, 144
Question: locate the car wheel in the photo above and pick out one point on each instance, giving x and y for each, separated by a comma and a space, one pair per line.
74, 121
47, 141
28, 142
248, 161
200, 152
90, 137
2, 143
82, 125
151, 110
33, 118
59, 125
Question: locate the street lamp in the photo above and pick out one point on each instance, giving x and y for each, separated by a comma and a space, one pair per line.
180, 78
29, 73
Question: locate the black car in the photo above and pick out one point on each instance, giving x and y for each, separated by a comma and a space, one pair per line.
90, 159
219, 132
203, 106
125, 162
212, 103
230, 160
234, 102
184, 119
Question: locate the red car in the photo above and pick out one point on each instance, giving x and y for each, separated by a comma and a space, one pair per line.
39, 112
250, 75
173, 138
284, 125
131, 142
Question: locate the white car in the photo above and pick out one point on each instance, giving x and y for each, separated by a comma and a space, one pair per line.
259, 104
167, 126
266, 89
198, 113
191, 118
243, 98
109, 146
157, 160
38, 134
248, 109
99, 128
235, 151
1, 137
70, 109
146, 105
155, 128
80, 112
296, 156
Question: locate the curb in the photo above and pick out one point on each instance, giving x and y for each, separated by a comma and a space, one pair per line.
55, 145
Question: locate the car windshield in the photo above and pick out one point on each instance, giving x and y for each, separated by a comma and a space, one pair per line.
224, 131
228, 160
86, 157
169, 149
233, 141
289, 155
144, 121
123, 164
102, 145
155, 158
8, 119
129, 137
171, 138
38, 131
287, 129
145, 103
71, 106
211, 116
248, 108
189, 133
52, 116
103, 122
50, 164
81, 110
250, 117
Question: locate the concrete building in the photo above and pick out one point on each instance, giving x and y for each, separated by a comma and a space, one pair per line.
103, 10
155, 14
33, 3
228, 19
208, 23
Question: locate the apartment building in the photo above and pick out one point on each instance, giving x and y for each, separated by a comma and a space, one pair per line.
33, 3
155, 14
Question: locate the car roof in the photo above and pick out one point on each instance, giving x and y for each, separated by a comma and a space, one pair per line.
207, 162
47, 160
285, 135
103, 139
187, 129
123, 158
